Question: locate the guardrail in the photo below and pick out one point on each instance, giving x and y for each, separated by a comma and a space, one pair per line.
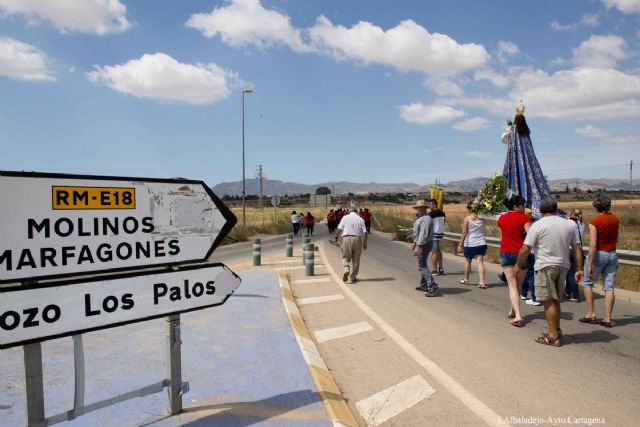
624, 257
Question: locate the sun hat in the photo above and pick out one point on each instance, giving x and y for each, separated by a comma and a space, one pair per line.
420, 204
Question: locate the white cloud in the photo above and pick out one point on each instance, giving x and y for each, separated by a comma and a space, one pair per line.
22, 61
499, 80
471, 124
593, 132
93, 17
246, 22
600, 52
160, 77
428, 114
588, 21
480, 154
406, 47
505, 50
579, 93
443, 87
624, 6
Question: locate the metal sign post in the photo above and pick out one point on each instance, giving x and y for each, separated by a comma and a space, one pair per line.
174, 364
33, 386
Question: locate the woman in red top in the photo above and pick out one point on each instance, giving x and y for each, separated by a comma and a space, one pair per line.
602, 259
513, 228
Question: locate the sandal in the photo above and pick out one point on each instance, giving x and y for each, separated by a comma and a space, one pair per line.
607, 324
591, 320
481, 286
517, 323
547, 340
464, 281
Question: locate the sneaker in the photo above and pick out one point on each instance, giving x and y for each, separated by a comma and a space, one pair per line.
345, 277
502, 278
441, 271
429, 294
354, 279
422, 288
434, 272
532, 302
522, 297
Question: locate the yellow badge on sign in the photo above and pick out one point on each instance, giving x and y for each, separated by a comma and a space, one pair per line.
66, 198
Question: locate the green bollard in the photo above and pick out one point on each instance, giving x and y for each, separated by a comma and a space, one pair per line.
289, 245
257, 251
305, 241
308, 259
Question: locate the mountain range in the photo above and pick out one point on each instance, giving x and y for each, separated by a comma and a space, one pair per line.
272, 186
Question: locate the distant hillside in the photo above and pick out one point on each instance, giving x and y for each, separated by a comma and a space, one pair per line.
272, 186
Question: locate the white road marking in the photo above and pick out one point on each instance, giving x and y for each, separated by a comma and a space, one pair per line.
294, 267
321, 279
342, 331
317, 300
392, 401
466, 397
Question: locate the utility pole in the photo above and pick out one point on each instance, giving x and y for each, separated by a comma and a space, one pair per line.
631, 183
260, 178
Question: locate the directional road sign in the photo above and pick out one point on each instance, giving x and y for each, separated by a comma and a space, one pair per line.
30, 314
55, 225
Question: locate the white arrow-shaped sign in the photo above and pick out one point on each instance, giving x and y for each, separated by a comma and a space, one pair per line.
32, 314
54, 225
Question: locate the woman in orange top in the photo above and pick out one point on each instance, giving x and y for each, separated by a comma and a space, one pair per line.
602, 259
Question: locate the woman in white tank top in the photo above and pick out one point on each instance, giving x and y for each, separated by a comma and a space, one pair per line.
473, 244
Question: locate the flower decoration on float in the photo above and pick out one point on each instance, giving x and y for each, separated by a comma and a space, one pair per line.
490, 197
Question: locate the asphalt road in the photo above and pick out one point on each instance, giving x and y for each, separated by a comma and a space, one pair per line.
454, 359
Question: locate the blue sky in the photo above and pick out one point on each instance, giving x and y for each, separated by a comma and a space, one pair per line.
362, 90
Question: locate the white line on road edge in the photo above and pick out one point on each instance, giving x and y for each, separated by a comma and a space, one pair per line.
334, 403
468, 399
392, 401
342, 331
317, 300
322, 279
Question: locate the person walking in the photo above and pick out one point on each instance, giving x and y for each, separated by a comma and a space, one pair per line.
602, 259
354, 241
422, 237
367, 219
309, 222
473, 244
572, 292
513, 226
295, 222
438, 217
528, 284
552, 237
331, 221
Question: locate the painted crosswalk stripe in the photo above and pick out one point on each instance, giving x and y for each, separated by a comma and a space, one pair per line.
342, 331
319, 280
317, 300
392, 401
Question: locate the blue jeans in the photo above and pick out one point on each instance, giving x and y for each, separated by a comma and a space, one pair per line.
426, 279
605, 263
528, 284
572, 289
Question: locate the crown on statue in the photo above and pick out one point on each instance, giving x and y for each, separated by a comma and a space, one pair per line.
520, 109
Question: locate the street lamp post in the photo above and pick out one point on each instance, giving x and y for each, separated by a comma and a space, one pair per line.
244, 212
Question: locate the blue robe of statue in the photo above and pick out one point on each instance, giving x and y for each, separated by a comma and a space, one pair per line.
523, 172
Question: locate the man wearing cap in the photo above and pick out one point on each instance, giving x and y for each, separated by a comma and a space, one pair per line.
354, 241
422, 243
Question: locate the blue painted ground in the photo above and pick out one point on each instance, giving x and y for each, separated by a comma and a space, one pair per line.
241, 360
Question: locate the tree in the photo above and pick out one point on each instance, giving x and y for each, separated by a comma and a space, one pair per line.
322, 191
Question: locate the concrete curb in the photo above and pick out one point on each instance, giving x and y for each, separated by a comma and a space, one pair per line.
334, 403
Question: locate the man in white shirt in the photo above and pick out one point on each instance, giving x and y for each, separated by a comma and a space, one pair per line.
354, 241
551, 237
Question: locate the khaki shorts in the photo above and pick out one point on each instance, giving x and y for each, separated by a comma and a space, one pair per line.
549, 282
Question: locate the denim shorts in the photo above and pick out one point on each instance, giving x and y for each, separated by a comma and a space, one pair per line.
437, 245
470, 252
605, 263
509, 259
